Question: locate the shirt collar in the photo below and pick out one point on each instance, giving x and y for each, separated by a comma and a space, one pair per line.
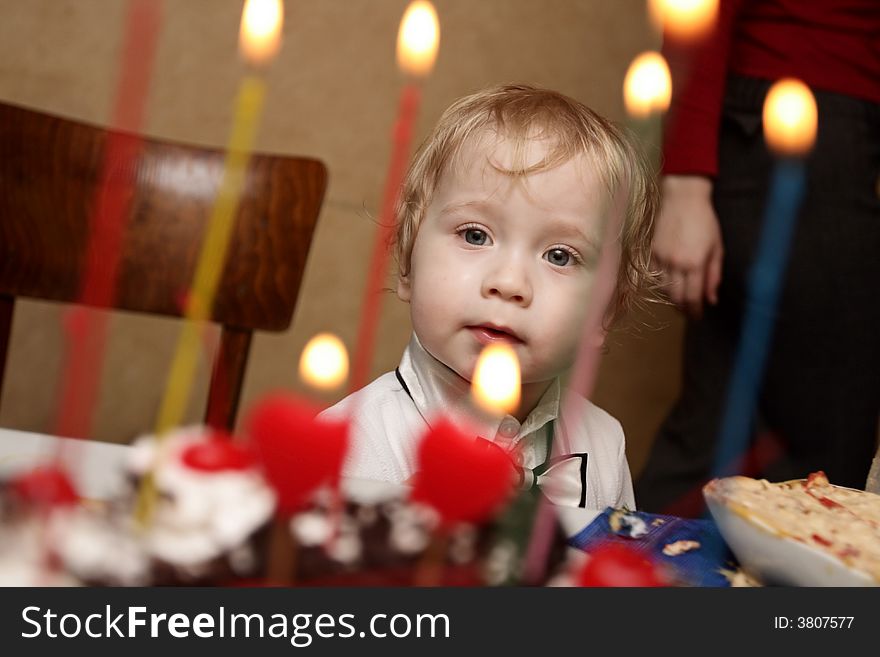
437, 390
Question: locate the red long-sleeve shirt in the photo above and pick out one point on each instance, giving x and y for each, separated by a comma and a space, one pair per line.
830, 45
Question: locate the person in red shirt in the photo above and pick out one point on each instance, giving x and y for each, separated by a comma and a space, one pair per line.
817, 407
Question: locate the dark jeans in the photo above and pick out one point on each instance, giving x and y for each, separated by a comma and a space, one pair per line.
818, 404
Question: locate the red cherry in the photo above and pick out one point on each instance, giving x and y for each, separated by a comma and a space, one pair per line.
615, 564
464, 479
45, 486
298, 452
216, 454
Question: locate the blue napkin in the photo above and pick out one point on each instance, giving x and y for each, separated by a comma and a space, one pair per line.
651, 533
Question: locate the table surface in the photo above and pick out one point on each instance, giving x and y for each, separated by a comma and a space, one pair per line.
97, 467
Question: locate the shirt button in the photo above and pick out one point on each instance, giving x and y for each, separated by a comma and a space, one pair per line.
509, 427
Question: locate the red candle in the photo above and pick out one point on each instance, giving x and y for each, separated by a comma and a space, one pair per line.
417, 43
85, 335
299, 452
463, 479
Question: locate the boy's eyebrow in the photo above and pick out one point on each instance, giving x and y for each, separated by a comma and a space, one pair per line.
569, 230
452, 207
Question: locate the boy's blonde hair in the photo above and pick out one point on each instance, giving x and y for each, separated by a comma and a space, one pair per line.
520, 113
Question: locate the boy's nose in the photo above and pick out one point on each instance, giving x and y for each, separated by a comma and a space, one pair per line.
510, 282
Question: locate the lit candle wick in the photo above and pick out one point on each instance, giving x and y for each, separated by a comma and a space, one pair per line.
496, 381
647, 87
260, 33
790, 118
686, 20
418, 39
324, 362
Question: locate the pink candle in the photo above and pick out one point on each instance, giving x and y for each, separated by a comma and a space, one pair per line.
647, 92
582, 379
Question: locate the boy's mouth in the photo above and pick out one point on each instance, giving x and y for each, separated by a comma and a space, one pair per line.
493, 334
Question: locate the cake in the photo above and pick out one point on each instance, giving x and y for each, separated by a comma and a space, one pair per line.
33, 506
376, 536
211, 507
212, 512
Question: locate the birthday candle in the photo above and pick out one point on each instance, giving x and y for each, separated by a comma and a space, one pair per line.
463, 479
286, 432
300, 453
582, 378
790, 118
86, 332
417, 42
260, 38
647, 92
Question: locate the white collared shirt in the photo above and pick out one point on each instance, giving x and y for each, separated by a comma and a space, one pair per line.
390, 415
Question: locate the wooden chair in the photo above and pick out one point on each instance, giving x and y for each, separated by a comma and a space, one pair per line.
49, 170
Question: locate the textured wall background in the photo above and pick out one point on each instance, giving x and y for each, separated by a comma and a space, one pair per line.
333, 95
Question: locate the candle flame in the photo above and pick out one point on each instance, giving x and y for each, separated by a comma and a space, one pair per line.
684, 19
260, 36
324, 362
790, 118
418, 38
647, 87
496, 383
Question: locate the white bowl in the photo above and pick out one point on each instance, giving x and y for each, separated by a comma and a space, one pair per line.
774, 558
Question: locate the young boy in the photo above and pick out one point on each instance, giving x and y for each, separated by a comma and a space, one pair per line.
500, 224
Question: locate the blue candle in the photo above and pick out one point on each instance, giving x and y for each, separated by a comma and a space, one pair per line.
790, 118
764, 286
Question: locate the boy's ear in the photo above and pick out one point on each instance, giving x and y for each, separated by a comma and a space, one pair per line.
404, 288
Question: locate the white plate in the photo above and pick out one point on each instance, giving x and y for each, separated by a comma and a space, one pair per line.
777, 559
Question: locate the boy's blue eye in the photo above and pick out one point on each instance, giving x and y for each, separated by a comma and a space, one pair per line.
558, 257
475, 236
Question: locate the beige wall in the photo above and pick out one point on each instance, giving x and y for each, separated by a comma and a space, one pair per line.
333, 95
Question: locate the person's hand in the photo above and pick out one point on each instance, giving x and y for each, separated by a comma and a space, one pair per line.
687, 244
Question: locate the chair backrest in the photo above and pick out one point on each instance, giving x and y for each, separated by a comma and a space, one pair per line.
50, 168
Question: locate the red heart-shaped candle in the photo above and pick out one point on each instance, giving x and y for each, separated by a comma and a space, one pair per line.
463, 478
298, 452
615, 564
45, 486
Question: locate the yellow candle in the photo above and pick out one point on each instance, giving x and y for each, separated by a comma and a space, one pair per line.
259, 41
213, 253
